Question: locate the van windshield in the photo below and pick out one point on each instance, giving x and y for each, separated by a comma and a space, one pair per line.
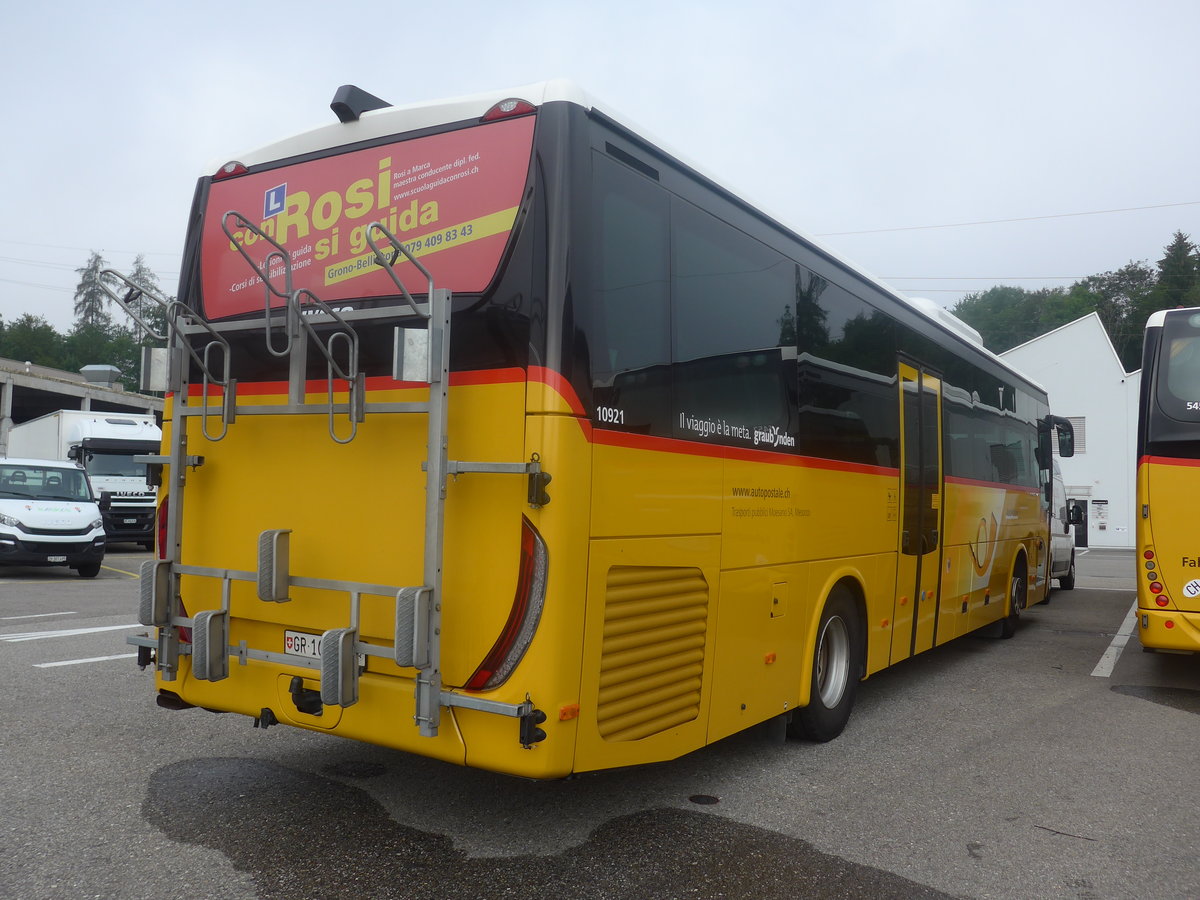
34, 482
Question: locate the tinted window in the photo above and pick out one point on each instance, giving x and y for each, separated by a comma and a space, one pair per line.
847, 375
629, 317
731, 296
1179, 367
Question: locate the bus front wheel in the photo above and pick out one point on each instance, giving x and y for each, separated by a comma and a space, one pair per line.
836, 670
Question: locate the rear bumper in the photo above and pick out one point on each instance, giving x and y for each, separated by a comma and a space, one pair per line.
1169, 629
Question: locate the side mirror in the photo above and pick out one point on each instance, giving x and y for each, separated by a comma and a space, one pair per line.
1074, 515
105, 503
1066, 434
73, 452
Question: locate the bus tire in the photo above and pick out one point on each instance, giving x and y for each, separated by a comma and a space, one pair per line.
836, 670
1067, 582
1018, 588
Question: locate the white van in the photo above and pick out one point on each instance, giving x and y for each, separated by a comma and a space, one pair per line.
49, 516
1062, 539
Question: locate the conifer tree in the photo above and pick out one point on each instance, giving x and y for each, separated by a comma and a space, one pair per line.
90, 299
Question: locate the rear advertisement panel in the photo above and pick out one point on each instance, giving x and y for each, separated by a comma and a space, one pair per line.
450, 198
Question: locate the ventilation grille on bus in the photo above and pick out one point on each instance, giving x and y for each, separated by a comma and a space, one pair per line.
652, 661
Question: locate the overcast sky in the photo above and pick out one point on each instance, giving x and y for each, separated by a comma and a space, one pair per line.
944, 146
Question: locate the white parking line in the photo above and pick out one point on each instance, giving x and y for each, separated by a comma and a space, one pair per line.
1108, 661
66, 632
79, 662
36, 616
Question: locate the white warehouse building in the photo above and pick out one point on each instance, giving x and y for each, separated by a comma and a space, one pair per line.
1077, 364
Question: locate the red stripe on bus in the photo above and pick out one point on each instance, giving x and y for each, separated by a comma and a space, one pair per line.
1168, 461
558, 384
374, 383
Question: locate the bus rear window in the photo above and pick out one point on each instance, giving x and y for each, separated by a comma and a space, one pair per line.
1179, 367
450, 198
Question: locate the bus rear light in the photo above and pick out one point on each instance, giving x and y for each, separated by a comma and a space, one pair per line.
1168, 624
1156, 587
160, 527
1162, 600
523, 618
229, 170
506, 108
1149, 554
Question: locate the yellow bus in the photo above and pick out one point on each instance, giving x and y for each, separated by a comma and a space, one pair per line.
500, 435
1168, 478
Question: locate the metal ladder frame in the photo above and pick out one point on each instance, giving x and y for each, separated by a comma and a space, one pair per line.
421, 354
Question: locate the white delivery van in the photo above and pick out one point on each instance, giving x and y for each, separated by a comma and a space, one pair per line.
49, 516
1063, 515
105, 444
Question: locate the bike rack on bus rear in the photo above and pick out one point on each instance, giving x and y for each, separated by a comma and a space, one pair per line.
420, 354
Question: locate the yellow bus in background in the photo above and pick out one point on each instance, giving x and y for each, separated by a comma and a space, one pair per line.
500, 435
1168, 482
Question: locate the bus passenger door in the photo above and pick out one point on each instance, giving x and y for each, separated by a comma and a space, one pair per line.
920, 540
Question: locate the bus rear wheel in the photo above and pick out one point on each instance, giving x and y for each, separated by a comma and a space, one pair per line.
1018, 587
836, 670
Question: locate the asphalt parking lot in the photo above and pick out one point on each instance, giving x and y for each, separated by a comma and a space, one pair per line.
1054, 764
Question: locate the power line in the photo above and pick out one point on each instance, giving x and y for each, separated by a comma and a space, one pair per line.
37, 263
1095, 212
49, 287
88, 249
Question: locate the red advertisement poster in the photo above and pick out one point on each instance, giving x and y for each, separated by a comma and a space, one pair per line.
450, 198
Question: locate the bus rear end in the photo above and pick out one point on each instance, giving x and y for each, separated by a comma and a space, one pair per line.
1168, 481
353, 538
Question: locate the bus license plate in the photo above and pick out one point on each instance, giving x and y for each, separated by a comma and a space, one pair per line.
298, 643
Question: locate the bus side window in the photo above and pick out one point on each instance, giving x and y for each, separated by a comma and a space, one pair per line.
630, 330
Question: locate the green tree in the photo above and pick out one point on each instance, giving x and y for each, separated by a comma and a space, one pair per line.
1177, 272
31, 338
1003, 316
90, 299
147, 309
1122, 300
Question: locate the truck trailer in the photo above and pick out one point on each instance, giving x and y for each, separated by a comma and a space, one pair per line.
105, 444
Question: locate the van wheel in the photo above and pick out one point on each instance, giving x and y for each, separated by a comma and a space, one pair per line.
1067, 582
89, 570
1018, 588
836, 670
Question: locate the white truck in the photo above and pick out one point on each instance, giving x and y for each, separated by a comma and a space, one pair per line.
49, 516
105, 444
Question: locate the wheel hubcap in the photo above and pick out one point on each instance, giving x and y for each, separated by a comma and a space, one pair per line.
1018, 585
833, 661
